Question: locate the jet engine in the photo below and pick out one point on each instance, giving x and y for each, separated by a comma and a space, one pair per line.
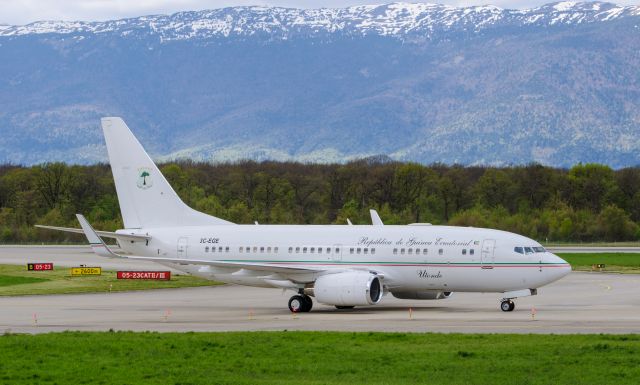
352, 288
427, 294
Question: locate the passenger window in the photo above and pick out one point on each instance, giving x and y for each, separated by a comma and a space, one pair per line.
471, 251
395, 251
402, 251
220, 249
366, 251
268, 249
373, 251
297, 249
424, 251
440, 252
313, 250
206, 249
255, 249
226, 249
290, 250
262, 249
275, 249
240, 249
304, 250
410, 251
359, 250
337, 250
518, 250
213, 249
464, 251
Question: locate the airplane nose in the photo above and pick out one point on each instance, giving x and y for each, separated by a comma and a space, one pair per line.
561, 267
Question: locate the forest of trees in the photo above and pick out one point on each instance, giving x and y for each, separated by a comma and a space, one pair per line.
589, 202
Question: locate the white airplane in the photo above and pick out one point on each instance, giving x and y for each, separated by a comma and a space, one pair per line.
340, 265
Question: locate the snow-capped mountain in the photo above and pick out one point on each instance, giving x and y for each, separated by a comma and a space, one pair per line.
396, 19
557, 84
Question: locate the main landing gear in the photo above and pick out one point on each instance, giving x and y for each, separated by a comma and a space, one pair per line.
300, 303
507, 305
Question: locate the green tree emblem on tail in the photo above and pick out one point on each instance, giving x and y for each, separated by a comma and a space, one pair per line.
144, 178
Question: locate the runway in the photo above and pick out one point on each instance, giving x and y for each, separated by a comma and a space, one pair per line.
70, 256
579, 303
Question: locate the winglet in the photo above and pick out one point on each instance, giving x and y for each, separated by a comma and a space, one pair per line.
97, 244
349, 222
375, 218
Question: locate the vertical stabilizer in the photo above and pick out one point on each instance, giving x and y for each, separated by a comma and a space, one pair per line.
146, 198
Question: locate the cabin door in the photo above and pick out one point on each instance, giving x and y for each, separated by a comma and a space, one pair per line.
182, 247
488, 246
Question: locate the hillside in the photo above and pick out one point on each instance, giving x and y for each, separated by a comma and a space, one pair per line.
556, 84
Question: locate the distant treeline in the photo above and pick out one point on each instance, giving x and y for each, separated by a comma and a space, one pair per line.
589, 202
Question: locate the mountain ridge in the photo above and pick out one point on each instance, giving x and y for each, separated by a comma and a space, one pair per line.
394, 19
557, 84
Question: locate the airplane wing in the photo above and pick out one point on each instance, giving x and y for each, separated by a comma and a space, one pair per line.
106, 234
101, 249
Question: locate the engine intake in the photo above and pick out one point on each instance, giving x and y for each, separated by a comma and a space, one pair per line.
353, 288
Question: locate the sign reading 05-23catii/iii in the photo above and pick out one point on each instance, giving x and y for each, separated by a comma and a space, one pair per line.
155, 275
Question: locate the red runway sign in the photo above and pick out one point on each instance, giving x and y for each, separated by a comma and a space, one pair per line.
157, 275
39, 266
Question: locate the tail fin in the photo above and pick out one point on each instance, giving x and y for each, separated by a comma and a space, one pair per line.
146, 198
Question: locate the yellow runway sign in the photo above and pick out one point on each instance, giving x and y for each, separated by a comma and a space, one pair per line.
75, 271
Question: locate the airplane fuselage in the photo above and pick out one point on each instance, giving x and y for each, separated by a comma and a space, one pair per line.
410, 258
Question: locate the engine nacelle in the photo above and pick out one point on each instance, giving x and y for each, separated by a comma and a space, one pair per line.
352, 288
427, 294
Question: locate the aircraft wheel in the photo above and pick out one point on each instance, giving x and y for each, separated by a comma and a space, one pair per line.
297, 303
507, 305
308, 304
344, 307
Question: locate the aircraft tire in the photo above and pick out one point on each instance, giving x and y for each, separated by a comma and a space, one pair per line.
507, 305
297, 304
512, 305
308, 304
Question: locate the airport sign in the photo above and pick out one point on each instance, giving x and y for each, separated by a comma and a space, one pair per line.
77, 271
39, 266
153, 275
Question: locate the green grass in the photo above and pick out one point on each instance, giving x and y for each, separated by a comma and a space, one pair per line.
593, 244
8, 280
318, 358
614, 262
16, 280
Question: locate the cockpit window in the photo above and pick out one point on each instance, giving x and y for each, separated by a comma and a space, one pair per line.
518, 250
539, 249
528, 250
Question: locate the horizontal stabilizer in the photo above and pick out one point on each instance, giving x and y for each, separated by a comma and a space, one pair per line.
106, 234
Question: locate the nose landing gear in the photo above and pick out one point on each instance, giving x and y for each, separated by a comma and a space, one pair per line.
507, 305
300, 303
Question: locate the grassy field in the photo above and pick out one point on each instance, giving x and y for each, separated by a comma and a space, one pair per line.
16, 280
614, 262
318, 358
